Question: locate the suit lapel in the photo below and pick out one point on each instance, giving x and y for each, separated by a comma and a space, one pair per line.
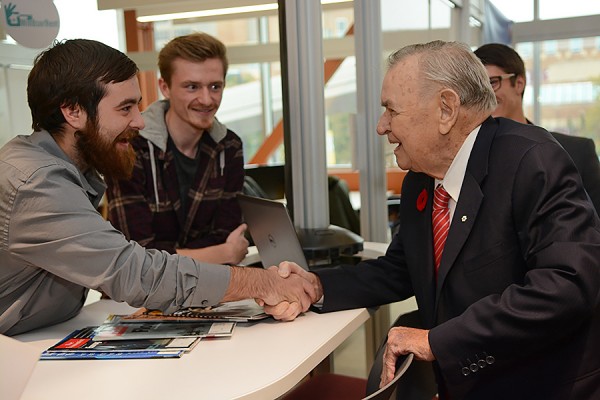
462, 223
469, 202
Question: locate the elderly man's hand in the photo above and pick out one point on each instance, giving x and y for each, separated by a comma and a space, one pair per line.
288, 296
284, 311
287, 268
401, 341
288, 310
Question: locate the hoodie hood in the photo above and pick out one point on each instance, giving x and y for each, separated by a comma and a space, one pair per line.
156, 127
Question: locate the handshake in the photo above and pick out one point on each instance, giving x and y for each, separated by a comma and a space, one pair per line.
290, 290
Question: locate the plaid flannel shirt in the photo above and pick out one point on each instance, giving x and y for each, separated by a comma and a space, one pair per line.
213, 210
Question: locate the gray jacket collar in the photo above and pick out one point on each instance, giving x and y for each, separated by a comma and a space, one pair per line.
156, 126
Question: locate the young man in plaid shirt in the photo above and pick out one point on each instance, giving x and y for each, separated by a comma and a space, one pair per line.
189, 167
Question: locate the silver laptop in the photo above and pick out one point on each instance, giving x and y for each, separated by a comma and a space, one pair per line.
272, 231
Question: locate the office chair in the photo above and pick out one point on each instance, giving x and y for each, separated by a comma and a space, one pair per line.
341, 212
252, 188
334, 386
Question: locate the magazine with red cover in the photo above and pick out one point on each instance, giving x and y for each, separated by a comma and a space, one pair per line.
79, 345
83, 340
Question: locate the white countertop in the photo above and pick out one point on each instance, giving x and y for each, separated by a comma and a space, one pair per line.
260, 361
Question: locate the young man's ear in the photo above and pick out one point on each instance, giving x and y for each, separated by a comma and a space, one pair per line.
449, 103
164, 88
74, 116
520, 84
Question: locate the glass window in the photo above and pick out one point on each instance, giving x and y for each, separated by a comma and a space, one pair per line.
243, 110
337, 21
569, 94
525, 50
550, 47
404, 15
231, 32
440, 14
522, 10
576, 45
341, 26
399, 15
81, 19
553, 9
340, 113
515, 10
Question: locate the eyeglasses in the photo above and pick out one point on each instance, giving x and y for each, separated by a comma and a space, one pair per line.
496, 81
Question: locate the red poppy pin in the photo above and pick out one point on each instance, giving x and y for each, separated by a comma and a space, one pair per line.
422, 200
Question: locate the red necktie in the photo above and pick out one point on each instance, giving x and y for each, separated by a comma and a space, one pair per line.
440, 223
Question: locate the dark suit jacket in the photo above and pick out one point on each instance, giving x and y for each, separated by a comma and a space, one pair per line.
515, 313
583, 152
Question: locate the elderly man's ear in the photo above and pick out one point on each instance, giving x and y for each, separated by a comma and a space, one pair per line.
449, 105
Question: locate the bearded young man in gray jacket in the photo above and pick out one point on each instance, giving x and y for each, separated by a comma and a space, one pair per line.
54, 244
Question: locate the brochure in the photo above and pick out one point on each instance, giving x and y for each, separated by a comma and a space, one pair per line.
162, 330
235, 311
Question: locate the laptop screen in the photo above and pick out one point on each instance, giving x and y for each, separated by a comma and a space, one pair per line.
272, 231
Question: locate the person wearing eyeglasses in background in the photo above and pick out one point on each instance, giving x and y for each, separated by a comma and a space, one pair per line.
507, 75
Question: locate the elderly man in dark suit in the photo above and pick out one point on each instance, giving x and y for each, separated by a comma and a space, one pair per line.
499, 242
507, 75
